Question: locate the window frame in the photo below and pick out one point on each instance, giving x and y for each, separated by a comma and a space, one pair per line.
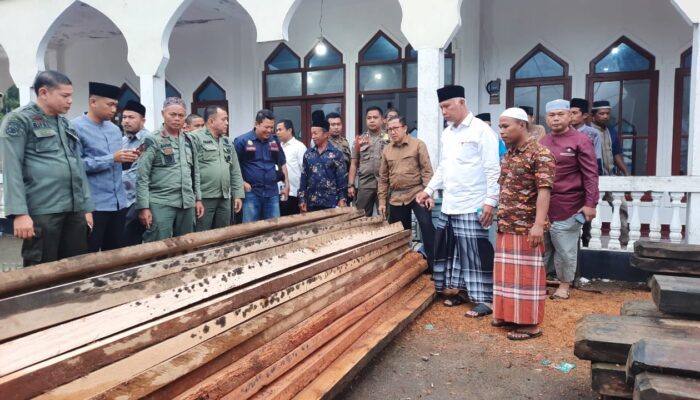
122, 89
512, 83
305, 100
682, 72
652, 74
403, 60
195, 105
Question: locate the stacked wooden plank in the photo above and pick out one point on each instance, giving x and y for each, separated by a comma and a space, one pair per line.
652, 350
273, 309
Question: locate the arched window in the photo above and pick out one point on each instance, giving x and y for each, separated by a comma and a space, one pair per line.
293, 91
538, 78
681, 115
625, 75
170, 90
125, 94
209, 93
386, 79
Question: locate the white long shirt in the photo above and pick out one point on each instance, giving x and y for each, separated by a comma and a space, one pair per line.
469, 167
294, 153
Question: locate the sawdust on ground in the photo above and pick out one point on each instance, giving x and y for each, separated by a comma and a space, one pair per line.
559, 326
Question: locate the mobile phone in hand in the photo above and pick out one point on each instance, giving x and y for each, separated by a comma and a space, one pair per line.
580, 218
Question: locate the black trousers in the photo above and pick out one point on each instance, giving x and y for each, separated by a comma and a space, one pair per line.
133, 228
108, 232
425, 222
290, 206
57, 236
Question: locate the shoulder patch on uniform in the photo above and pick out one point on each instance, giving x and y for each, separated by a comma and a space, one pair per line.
148, 142
13, 128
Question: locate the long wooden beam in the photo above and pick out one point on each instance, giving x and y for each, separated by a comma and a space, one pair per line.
42, 345
245, 368
608, 338
676, 294
666, 250
650, 386
364, 316
288, 385
333, 380
47, 307
148, 370
68, 367
59, 271
672, 357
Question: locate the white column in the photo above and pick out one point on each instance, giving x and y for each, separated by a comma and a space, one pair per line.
152, 97
692, 220
25, 93
430, 78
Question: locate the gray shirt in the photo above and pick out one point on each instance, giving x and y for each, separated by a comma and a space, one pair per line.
130, 172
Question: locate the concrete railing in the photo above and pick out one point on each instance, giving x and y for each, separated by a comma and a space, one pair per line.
665, 208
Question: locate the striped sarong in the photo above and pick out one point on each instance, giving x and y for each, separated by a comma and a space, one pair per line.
463, 257
519, 281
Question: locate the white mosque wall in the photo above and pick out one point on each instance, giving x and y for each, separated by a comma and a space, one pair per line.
577, 31
102, 60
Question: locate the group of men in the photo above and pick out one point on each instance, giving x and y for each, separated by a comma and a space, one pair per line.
83, 185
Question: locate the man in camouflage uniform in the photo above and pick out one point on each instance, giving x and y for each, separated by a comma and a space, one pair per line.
335, 124
366, 158
46, 189
167, 189
220, 174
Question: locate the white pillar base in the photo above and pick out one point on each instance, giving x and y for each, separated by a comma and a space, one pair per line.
152, 97
431, 67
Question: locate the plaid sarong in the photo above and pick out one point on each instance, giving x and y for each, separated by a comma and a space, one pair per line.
463, 257
519, 282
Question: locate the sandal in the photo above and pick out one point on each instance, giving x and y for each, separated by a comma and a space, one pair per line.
455, 300
523, 335
500, 324
478, 311
557, 296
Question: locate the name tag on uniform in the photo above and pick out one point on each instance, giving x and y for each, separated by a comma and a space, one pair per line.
168, 151
568, 153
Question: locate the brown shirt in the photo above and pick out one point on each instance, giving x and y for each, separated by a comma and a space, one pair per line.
524, 171
367, 150
404, 172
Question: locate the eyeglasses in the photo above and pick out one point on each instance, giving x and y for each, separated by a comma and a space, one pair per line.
393, 129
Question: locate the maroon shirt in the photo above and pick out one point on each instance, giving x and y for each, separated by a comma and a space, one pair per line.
576, 177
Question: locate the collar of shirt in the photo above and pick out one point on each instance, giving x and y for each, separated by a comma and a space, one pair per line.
136, 136
329, 146
466, 122
91, 122
401, 143
529, 142
290, 142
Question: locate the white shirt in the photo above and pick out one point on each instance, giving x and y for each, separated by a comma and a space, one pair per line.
294, 153
469, 167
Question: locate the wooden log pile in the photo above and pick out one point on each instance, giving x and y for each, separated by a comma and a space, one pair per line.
279, 309
652, 349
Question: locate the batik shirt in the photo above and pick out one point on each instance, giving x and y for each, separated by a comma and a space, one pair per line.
524, 171
323, 178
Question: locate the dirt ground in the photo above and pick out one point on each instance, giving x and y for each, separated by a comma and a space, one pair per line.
446, 356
